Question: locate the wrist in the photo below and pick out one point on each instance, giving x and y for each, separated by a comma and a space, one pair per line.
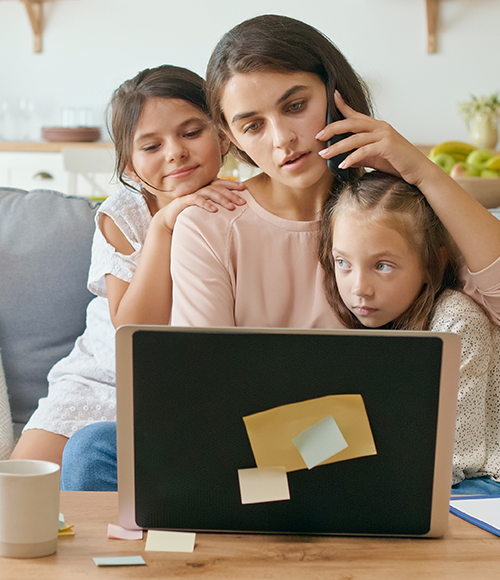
160, 225
432, 176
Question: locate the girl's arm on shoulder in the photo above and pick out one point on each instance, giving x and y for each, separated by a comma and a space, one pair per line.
377, 145
147, 299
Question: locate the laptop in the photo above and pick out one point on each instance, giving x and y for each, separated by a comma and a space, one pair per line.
311, 432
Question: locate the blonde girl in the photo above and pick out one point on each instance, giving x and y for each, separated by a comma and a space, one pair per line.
401, 271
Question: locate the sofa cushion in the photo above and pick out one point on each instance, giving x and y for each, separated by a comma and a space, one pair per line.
45, 243
6, 431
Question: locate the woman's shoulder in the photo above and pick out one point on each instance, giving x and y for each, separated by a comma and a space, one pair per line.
217, 223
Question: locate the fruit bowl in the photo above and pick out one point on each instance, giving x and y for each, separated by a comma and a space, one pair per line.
486, 191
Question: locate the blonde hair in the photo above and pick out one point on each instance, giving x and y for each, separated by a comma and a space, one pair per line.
396, 204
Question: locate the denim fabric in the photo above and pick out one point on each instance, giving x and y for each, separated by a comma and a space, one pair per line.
89, 459
476, 486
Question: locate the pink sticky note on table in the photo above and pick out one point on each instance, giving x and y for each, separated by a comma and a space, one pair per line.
119, 533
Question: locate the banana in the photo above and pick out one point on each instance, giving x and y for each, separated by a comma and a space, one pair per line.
457, 149
494, 163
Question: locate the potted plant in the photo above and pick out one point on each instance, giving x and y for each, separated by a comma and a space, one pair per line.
481, 115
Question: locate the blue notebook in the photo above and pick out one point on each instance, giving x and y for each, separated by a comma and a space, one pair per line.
481, 510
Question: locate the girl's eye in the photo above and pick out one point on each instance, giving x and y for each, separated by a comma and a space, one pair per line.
150, 147
341, 263
382, 267
193, 134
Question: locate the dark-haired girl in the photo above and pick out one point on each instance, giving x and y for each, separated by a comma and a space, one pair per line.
168, 156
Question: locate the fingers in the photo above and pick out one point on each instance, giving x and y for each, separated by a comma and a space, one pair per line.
342, 106
357, 141
223, 193
230, 184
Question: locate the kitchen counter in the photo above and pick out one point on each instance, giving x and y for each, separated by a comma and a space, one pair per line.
48, 147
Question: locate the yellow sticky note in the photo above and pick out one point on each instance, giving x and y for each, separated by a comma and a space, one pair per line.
271, 432
160, 541
67, 531
259, 485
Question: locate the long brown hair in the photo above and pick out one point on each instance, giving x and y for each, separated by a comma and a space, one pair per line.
282, 44
128, 100
395, 203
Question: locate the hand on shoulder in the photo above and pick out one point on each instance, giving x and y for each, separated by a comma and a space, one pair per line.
221, 192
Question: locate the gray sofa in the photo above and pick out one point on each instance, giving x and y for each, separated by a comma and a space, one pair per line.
45, 243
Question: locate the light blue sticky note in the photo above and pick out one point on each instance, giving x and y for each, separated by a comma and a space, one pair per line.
320, 442
62, 523
120, 561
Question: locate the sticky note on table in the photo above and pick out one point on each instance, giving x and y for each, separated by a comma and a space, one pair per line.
118, 533
271, 432
120, 561
259, 485
66, 531
163, 541
320, 442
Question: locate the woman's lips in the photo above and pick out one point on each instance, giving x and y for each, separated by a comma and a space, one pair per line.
296, 161
182, 172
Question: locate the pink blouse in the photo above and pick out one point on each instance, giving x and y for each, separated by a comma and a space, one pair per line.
248, 267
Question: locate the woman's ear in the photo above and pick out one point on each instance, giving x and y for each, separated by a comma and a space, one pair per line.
224, 142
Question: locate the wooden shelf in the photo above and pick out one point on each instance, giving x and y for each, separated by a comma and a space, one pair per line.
432, 15
34, 8
49, 147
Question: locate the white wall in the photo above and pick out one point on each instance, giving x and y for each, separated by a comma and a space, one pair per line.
91, 46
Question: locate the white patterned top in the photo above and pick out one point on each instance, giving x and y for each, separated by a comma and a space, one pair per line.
82, 385
477, 433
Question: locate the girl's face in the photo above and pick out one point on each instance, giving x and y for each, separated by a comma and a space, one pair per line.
175, 149
274, 117
378, 274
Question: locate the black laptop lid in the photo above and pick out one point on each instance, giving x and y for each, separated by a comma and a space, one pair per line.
192, 388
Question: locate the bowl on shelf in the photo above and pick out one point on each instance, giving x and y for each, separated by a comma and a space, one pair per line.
486, 191
71, 134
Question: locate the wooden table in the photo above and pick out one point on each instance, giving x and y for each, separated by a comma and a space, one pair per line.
465, 552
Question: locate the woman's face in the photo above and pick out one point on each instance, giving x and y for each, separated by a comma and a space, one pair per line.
274, 118
176, 148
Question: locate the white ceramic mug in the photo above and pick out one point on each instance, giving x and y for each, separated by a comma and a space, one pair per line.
29, 508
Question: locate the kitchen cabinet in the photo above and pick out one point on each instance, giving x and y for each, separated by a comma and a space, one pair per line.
41, 166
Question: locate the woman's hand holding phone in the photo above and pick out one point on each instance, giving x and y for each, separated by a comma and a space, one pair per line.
373, 143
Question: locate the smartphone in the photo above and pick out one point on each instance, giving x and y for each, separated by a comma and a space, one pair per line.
333, 163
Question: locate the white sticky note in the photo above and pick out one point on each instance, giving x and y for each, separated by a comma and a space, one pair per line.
320, 442
120, 561
160, 541
119, 533
262, 484
62, 523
